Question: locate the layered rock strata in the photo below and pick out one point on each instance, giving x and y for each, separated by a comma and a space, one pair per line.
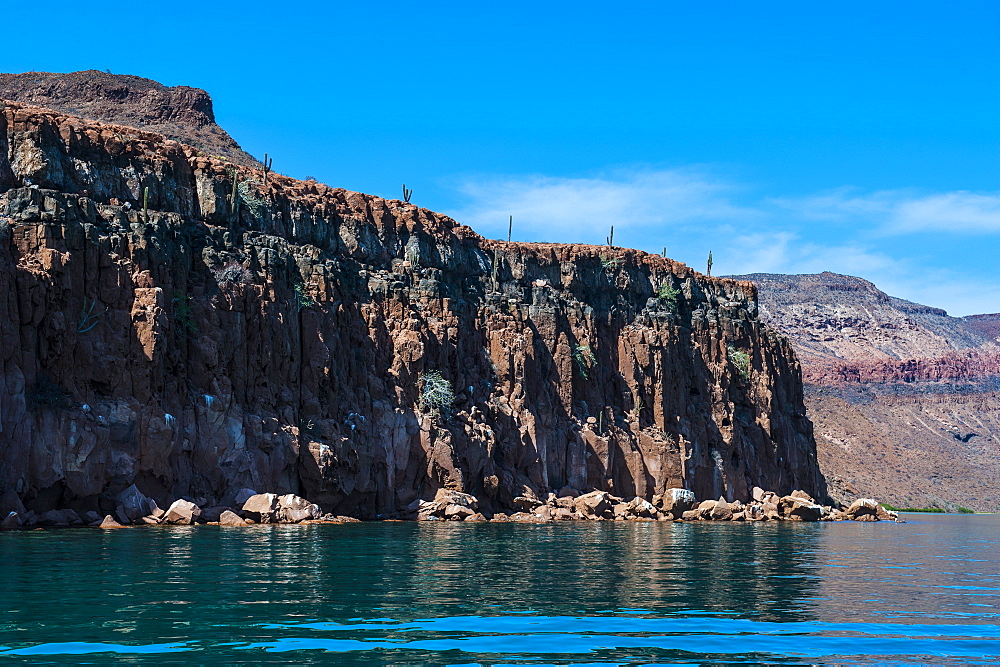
183, 324
905, 398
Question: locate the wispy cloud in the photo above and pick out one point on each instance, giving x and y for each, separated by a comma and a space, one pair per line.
901, 211
582, 209
693, 211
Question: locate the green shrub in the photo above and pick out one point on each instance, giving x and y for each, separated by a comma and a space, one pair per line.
964, 510
740, 361
585, 360
302, 300
671, 295
610, 263
436, 394
183, 317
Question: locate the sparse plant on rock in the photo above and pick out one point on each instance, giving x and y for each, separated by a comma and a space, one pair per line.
267, 168
740, 361
302, 299
183, 316
248, 195
670, 294
412, 255
407, 193
436, 394
233, 273
585, 360
46, 394
610, 263
88, 320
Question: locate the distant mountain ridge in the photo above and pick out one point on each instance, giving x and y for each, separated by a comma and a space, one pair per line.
903, 397
833, 318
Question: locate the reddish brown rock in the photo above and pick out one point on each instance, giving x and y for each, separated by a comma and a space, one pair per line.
593, 505
230, 518
721, 511
109, 522
862, 507
182, 513
288, 351
798, 509
262, 508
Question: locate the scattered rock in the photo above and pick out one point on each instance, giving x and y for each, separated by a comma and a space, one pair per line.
11, 522
674, 502
594, 504
212, 514
799, 509
109, 522
457, 512
261, 507
230, 518
862, 507
182, 513
11, 502
526, 504
293, 509
133, 505
543, 512
476, 518
722, 511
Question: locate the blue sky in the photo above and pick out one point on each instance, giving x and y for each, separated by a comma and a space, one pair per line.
856, 137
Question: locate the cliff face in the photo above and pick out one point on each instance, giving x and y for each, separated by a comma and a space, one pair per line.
905, 398
178, 112
195, 350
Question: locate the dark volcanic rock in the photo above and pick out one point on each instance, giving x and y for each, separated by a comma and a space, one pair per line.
200, 348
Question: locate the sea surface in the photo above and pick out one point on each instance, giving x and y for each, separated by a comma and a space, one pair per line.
924, 592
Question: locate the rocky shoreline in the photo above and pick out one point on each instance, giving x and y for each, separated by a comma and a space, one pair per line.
252, 508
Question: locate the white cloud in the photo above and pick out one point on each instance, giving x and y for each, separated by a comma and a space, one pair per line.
581, 210
950, 212
843, 230
895, 212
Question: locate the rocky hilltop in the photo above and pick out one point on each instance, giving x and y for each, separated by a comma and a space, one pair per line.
178, 112
904, 397
196, 328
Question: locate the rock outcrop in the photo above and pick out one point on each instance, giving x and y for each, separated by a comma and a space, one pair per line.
175, 322
181, 113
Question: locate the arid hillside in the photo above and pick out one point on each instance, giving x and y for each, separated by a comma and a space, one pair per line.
904, 398
181, 113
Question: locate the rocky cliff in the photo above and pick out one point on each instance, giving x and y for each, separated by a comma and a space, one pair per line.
194, 327
905, 398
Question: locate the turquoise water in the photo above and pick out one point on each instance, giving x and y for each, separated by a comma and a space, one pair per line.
494, 594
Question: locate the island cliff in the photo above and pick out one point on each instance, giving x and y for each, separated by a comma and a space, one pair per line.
195, 327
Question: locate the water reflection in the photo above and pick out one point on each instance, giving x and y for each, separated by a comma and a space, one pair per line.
215, 588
